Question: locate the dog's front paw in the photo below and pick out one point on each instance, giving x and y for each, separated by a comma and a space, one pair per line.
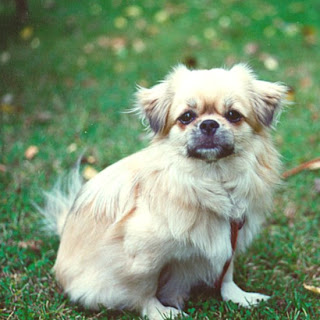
154, 310
231, 292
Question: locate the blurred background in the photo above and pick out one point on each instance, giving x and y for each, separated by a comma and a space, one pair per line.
68, 73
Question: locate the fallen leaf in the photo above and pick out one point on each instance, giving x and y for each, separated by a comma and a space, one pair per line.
312, 288
44, 116
91, 159
5, 57
26, 33
251, 48
120, 22
34, 245
103, 41
72, 147
118, 43
8, 108
35, 43
31, 152
271, 63
291, 29
89, 172
133, 11
310, 34
7, 98
193, 41
210, 33
290, 212
161, 16
141, 24
138, 45
224, 22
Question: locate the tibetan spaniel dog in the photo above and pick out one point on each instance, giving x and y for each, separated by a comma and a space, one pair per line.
145, 230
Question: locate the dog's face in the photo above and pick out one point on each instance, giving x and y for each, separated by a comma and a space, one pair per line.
210, 114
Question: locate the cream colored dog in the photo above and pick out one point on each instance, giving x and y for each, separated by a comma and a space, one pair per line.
145, 230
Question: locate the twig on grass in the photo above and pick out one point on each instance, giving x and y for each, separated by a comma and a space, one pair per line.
310, 165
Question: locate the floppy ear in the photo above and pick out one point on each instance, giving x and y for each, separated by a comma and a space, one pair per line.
267, 98
156, 101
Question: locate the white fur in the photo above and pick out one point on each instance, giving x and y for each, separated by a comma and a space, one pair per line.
151, 226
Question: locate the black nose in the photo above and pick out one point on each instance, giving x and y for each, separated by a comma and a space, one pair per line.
209, 127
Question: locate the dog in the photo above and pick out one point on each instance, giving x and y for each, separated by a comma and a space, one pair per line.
147, 229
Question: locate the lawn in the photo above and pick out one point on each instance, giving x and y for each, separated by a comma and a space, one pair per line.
66, 76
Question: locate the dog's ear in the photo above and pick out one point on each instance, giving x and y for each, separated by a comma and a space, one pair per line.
154, 103
265, 97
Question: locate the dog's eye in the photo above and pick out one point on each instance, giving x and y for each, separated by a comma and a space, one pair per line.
233, 116
187, 117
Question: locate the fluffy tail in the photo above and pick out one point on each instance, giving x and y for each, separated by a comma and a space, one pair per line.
59, 201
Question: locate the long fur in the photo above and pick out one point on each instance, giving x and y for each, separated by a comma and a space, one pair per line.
148, 228
59, 200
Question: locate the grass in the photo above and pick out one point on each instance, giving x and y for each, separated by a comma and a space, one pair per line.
69, 72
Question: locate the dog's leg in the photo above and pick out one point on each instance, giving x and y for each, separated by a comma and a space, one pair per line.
231, 292
175, 282
154, 310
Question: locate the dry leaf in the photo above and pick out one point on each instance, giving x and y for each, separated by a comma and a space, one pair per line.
5, 57
310, 34
89, 172
138, 45
251, 48
120, 22
312, 288
31, 152
271, 63
34, 245
161, 16
133, 11
91, 159
72, 147
103, 41
118, 44
290, 212
7, 108
26, 33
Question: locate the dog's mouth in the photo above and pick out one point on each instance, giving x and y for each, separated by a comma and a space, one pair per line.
211, 148
210, 153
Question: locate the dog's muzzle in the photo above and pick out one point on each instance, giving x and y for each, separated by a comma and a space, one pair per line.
210, 141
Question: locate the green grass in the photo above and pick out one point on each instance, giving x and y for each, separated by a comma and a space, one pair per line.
68, 82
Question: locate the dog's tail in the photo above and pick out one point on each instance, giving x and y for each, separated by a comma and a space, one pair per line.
59, 200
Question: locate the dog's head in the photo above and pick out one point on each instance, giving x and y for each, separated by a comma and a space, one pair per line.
210, 114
